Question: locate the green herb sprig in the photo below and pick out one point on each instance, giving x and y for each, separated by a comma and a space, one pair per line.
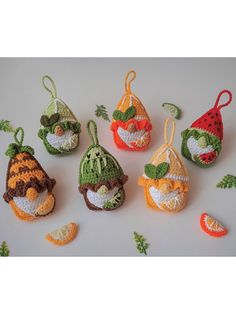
101, 112
6, 126
141, 243
4, 250
227, 182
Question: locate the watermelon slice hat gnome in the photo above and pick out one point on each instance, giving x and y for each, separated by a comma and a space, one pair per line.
28, 187
165, 179
101, 178
131, 124
202, 142
59, 127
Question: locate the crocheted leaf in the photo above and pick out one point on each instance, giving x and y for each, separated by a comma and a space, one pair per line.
27, 149
227, 182
129, 113
6, 126
150, 171
117, 115
45, 121
54, 118
12, 150
174, 110
101, 111
4, 251
162, 169
141, 243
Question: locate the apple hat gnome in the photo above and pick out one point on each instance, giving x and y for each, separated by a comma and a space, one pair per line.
131, 124
201, 143
101, 178
165, 179
59, 127
28, 187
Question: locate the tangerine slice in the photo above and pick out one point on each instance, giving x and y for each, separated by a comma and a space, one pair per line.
63, 235
211, 226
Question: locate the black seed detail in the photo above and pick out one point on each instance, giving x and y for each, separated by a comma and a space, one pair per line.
218, 129
212, 117
217, 114
219, 123
205, 120
215, 123
209, 125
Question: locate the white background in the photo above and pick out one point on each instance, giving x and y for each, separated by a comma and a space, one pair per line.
124, 28
193, 84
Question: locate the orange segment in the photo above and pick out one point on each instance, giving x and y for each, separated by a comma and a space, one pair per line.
63, 235
211, 226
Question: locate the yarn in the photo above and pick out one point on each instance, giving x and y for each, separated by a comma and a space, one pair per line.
101, 178
202, 142
59, 127
165, 179
131, 124
28, 187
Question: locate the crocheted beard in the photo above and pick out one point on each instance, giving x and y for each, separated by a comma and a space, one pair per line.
201, 143
28, 187
131, 124
59, 127
101, 178
165, 179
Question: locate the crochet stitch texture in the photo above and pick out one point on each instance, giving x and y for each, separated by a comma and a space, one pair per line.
165, 179
101, 178
131, 125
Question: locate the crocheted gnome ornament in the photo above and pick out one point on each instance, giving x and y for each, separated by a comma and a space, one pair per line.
59, 127
28, 187
101, 178
165, 179
201, 143
131, 124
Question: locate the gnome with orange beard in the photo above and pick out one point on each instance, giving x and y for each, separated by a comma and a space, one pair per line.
165, 179
28, 187
131, 124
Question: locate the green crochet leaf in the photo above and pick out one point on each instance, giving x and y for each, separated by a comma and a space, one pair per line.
124, 116
54, 118
117, 115
26, 149
5, 126
101, 112
12, 150
130, 113
228, 182
141, 243
4, 250
156, 172
150, 171
45, 121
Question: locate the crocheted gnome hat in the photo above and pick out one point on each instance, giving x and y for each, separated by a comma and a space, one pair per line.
131, 124
25, 178
211, 122
59, 127
98, 165
165, 179
202, 142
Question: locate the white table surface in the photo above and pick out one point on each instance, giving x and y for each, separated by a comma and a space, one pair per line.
193, 84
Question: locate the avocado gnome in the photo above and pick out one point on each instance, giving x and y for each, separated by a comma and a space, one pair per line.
28, 187
101, 178
59, 127
131, 125
165, 179
202, 142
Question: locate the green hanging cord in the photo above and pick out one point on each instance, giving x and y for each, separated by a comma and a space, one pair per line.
52, 89
20, 141
92, 131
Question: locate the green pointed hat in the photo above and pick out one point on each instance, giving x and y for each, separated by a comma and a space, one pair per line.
56, 105
98, 165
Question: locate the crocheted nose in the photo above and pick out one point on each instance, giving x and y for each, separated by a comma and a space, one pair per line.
165, 188
132, 128
31, 194
59, 131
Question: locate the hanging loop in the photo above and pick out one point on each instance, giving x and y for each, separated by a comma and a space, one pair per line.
92, 131
128, 80
19, 141
170, 141
225, 91
51, 89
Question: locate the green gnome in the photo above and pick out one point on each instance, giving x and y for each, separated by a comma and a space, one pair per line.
101, 178
59, 127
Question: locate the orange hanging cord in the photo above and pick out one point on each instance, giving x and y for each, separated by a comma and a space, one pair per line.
130, 77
